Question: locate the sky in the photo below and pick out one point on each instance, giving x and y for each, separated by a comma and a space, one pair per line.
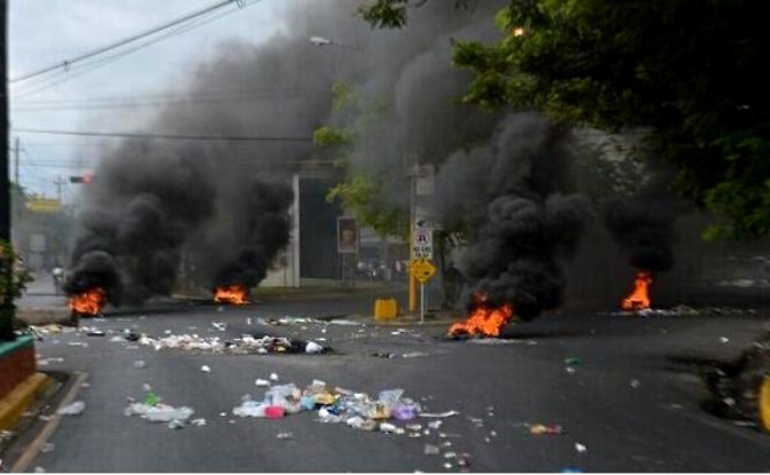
117, 95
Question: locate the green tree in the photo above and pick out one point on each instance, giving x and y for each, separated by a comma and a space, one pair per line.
13, 280
691, 72
360, 192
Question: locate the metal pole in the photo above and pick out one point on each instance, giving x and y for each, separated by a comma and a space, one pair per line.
423, 302
412, 280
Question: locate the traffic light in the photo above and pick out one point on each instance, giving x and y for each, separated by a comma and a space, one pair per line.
85, 179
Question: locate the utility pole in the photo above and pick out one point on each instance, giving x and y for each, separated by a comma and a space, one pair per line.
59, 182
7, 310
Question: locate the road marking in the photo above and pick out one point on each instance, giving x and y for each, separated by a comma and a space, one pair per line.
33, 449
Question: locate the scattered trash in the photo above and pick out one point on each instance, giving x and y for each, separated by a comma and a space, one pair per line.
95, 333
273, 377
313, 348
388, 427
440, 414
140, 364
500, 341
572, 361
383, 354
450, 455
39, 470
724, 340
284, 436
73, 409
570, 370
47, 361
159, 412
205, 369
81, 344
47, 447
435, 424
448, 466
146, 387
219, 326
540, 429
581, 448
117, 339
198, 422
262, 383
464, 460
414, 354
430, 449
635, 384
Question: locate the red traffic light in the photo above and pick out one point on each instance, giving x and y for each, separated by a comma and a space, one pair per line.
85, 179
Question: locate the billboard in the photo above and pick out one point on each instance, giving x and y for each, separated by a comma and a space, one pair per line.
347, 234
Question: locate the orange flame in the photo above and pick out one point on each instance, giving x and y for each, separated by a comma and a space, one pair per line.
640, 297
484, 320
232, 294
89, 302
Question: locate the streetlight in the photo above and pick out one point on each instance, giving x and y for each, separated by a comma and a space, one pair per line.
321, 41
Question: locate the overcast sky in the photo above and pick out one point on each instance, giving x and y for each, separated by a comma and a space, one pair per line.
46, 32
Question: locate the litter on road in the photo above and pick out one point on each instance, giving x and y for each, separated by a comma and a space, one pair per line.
205, 369
541, 429
73, 409
245, 345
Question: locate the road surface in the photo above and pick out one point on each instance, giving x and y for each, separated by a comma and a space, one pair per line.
631, 404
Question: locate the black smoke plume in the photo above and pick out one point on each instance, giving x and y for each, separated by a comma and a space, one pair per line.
643, 226
224, 205
509, 198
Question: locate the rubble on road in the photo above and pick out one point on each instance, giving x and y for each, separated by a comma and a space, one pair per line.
682, 311
152, 410
338, 405
245, 345
73, 409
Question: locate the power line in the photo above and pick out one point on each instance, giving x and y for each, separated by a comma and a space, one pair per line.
47, 81
224, 138
160, 101
68, 63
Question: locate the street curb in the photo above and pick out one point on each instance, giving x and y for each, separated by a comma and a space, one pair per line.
13, 405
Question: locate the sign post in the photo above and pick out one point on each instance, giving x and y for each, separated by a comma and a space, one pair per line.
422, 270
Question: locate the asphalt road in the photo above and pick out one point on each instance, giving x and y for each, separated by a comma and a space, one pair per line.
632, 403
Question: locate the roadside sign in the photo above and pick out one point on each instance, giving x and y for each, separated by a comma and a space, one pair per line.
422, 247
44, 205
422, 269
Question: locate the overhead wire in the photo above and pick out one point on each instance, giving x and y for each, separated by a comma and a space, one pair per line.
59, 76
225, 138
101, 50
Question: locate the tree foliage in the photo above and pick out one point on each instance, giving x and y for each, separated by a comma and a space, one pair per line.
361, 193
13, 281
393, 13
691, 71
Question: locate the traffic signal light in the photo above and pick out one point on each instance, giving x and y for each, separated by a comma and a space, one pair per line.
85, 179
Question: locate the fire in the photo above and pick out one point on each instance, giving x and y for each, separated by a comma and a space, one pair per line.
89, 302
640, 297
232, 294
484, 320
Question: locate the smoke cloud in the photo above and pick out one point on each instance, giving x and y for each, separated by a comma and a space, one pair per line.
510, 196
224, 205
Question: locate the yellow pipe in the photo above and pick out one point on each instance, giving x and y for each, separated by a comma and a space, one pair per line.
412, 280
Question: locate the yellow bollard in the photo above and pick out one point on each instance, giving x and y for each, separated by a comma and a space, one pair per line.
385, 309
